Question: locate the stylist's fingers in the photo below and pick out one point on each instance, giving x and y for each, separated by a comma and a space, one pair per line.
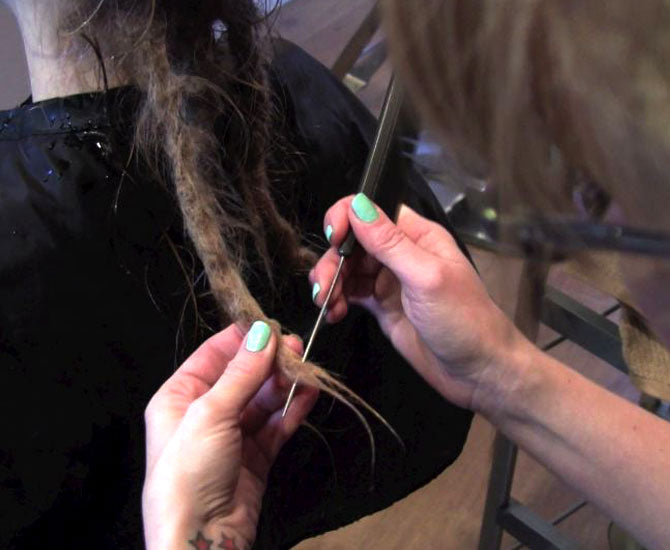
321, 277
428, 235
294, 343
356, 281
203, 368
277, 429
387, 242
245, 374
385, 239
263, 414
336, 222
272, 395
190, 381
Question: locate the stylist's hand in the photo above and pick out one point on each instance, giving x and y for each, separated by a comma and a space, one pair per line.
426, 296
213, 431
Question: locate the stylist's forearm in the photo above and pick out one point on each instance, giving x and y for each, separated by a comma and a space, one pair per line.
584, 434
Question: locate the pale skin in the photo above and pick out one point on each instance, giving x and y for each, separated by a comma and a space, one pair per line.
53, 73
214, 430
433, 307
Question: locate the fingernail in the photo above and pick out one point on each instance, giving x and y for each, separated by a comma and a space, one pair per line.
329, 232
490, 214
315, 291
258, 336
364, 209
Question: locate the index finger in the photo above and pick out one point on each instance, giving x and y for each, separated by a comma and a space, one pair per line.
394, 245
189, 382
204, 366
336, 221
429, 235
272, 395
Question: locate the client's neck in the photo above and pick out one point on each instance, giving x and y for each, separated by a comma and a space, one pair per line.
54, 71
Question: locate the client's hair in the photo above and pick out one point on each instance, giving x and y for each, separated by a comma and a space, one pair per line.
530, 91
204, 121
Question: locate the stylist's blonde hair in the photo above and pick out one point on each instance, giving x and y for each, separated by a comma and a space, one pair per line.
529, 91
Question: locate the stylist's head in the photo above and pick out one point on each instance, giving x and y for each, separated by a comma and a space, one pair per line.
530, 93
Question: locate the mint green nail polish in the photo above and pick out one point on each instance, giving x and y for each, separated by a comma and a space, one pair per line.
315, 291
364, 209
258, 336
490, 214
329, 232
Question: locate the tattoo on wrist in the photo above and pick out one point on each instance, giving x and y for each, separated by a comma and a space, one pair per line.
200, 542
227, 543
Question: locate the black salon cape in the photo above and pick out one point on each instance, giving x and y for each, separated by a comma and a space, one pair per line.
95, 315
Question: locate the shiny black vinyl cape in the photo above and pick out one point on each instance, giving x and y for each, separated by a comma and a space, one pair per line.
95, 313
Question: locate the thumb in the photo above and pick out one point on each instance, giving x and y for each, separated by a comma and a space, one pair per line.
384, 240
246, 372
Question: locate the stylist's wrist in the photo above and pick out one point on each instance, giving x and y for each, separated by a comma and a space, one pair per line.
175, 522
184, 531
217, 534
505, 375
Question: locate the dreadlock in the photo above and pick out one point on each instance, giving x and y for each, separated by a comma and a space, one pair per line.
201, 66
